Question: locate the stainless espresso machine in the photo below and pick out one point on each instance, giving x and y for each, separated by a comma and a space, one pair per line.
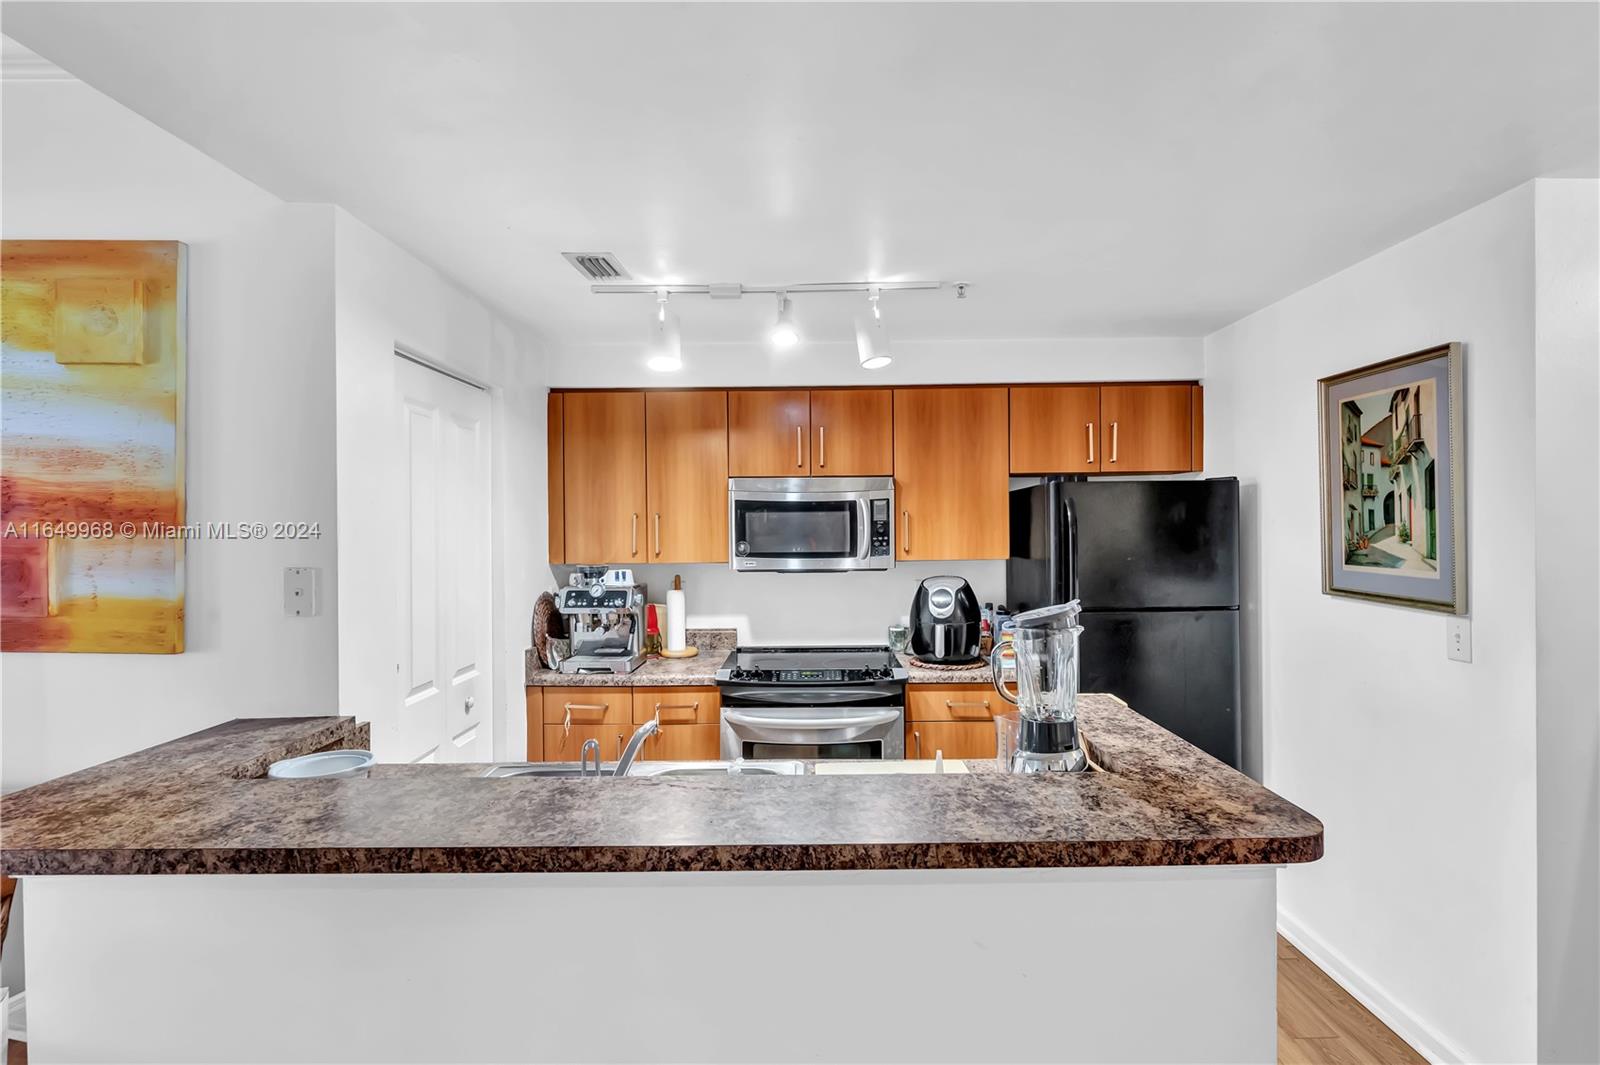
604, 611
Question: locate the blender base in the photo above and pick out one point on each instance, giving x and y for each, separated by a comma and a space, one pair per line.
1028, 762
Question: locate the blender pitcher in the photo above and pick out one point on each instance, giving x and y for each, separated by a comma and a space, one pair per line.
1046, 648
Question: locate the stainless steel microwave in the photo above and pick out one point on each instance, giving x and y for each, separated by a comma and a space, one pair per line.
798, 524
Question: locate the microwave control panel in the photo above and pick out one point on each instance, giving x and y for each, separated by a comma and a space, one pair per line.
882, 541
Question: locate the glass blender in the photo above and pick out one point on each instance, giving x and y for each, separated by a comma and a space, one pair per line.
1046, 649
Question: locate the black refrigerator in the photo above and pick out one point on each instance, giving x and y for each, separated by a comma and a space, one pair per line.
1155, 565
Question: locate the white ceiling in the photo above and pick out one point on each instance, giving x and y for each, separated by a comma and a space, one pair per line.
1090, 169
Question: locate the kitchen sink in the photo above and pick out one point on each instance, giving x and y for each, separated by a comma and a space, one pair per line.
571, 770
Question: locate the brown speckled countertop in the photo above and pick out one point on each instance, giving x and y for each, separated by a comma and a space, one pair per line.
200, 805
701, 670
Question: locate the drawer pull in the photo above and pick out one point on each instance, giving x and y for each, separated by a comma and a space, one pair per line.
917, 739
586, 706
952, 704
677, 706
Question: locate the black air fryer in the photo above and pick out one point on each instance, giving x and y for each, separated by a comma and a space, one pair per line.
946, 621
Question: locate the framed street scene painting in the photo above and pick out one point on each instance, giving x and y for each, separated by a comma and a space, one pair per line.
1394, 481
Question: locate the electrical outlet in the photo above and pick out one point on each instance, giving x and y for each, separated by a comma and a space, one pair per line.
300, 591
1458, 639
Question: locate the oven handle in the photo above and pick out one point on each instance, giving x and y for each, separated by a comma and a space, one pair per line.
793, 724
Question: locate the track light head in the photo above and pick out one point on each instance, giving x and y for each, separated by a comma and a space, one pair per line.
784, 334
872, 339
666, 343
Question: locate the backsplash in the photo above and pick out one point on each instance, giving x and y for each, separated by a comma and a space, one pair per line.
808, 608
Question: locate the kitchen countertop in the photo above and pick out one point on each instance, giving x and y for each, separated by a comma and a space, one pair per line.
201, 804
701, 670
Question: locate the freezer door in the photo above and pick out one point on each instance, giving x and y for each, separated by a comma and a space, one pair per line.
1180, 669
1157, 544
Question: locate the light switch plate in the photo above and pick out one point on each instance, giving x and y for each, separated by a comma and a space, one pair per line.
1458, 639
300, 591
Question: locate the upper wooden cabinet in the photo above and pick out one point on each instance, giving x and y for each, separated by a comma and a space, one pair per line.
603, 459
686, 450
769, 434
852, 432
1055, 429
951, 475
553, 442
1147, 429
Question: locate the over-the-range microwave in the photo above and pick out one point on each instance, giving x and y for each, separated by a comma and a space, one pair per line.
799, 524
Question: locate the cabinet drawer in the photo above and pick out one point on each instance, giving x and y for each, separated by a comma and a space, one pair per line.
588, 706
678, 706
957, 739
954, 702
562, 744
684, 743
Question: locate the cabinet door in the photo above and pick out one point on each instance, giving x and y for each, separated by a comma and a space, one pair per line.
534, 701
769, 434
556, 476
951, 476
603, 459
957, 739
686, 449
1145, 428
684, 743
1055, 429
852, 432
562, 744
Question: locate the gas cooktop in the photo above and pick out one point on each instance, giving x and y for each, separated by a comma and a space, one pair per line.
811, 665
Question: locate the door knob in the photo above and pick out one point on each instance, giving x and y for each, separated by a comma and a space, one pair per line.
466, 707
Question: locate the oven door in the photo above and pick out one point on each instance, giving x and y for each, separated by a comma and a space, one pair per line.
815, 732
797, 525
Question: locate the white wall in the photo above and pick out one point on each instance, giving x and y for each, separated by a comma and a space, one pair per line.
1425, 900
386, 298
259, 427
916, 362
1567, 581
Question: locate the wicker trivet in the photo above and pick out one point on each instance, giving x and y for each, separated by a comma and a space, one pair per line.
946, 667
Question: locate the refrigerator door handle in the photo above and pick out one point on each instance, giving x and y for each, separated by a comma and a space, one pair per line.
1070, 591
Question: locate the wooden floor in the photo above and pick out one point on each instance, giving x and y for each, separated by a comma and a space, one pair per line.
1318, 1022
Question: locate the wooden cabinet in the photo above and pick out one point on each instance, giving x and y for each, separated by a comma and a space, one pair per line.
852, 432
769, 434
565, 744
954, 702
1055, 429
686, 450
957, 739
604, 484
677, 706
554, 449
534, 704
952, 477
573, 716
684, 743
1147, 428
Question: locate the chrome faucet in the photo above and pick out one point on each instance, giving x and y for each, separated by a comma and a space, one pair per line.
631, 751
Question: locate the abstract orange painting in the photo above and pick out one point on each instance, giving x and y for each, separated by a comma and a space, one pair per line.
91, 445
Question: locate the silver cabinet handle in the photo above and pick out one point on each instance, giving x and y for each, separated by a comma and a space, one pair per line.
585, 706
799, 446
1113, 441
822, 445
916, 737
658, 534
1091, 442
634, 546
905, 535
951, 705
677, 706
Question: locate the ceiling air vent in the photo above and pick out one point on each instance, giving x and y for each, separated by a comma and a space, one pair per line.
597, 265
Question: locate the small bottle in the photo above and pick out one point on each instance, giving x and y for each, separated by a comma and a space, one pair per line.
652, 632
985, 636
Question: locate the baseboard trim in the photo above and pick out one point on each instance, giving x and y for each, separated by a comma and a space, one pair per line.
1422, 1037
17, 1017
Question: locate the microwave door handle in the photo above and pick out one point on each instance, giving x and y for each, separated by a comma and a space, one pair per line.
864, 528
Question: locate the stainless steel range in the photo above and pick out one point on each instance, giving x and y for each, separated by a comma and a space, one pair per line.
813, 702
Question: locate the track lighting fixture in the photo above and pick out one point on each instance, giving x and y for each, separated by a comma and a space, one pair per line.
784, 334
872, 340
666, 343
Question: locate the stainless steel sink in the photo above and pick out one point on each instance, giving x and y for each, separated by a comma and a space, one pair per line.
571, 770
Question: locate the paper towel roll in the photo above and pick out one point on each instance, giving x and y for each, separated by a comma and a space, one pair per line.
676, 622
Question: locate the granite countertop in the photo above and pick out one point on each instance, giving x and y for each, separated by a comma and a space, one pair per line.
701, 670
202, 805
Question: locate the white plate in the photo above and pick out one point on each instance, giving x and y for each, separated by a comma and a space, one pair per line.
324, 765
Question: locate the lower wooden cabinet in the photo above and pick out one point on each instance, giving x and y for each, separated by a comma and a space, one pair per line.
957, 739
561, 720
563, 743
684, 743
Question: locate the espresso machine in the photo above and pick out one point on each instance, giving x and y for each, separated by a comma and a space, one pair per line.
604, 611
1046, 650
